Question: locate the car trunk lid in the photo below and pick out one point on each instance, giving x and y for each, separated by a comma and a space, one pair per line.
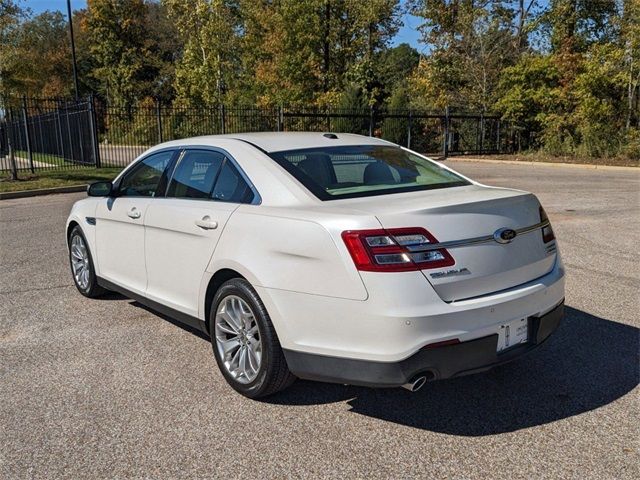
468, 217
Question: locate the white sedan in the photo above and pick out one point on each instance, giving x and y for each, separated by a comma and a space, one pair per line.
330, 257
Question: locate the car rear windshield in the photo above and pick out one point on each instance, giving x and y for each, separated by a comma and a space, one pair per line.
363, 170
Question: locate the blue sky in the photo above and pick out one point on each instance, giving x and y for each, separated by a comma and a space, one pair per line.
38, 6
408, 32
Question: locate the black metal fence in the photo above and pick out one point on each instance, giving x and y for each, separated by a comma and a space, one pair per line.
47, 133
56, 134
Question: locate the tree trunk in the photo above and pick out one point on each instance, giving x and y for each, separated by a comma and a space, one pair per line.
523, 13
326, 45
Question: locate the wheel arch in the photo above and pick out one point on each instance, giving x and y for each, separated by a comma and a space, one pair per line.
215, 282
89, 236
72, 224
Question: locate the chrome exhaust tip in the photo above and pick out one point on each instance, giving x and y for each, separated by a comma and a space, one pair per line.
416, 384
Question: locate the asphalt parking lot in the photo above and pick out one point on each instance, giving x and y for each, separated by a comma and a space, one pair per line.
108, 389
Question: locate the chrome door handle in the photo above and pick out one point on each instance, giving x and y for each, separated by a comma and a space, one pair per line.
133, 213
206, 223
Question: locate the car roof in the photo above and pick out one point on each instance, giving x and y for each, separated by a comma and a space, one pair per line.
281, 141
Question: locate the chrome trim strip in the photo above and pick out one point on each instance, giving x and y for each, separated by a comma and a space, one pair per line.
471, 241
532, 228
173, 171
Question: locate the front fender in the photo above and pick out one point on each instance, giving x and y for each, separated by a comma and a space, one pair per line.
80, 212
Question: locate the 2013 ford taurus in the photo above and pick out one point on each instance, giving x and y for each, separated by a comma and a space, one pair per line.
331, 257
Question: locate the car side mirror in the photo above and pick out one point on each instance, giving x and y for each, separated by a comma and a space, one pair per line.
100, 189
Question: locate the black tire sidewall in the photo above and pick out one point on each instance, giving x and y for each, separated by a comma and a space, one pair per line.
241, 288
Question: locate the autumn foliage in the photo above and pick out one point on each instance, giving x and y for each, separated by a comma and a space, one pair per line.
566, 73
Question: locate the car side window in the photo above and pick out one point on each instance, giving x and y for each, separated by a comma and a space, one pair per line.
143, 179
195, 174
231, 187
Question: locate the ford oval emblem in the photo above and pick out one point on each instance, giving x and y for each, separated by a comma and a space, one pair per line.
504, 235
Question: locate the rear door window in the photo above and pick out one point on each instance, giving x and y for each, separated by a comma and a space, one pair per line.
231, 187
195, 174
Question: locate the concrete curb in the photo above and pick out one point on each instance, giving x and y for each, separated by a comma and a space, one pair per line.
545, 164
42, 191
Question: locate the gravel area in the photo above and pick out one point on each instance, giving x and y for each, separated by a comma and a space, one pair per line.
108, 389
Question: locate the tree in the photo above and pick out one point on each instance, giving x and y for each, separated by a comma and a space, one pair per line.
395, 65
287, 51
209, 68
43, 53
472, 42
599, 92
395, 129
165, 50
309, 51
578, 29
116, 30
529, 91
366, 30
630, 41
525, 13
11, 16
567, 91
157, 49
571, 97
353, 101
566, 73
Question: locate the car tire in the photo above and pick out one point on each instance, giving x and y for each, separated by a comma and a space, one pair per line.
82, 267
253, 365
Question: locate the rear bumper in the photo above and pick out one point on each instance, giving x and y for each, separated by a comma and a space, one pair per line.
444, 362
402, 314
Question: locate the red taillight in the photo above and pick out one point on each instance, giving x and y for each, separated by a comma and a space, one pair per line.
395, 250
547, 232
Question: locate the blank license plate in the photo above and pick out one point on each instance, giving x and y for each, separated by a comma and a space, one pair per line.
513, 333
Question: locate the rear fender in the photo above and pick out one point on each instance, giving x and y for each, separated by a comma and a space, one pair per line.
286, 253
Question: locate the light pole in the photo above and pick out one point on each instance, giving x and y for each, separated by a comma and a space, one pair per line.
73, 50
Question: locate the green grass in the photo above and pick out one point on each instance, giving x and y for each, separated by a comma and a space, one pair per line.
56, 160
55, 178
43, 158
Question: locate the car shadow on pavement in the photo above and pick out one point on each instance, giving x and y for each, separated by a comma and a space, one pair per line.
588, 363
177, 323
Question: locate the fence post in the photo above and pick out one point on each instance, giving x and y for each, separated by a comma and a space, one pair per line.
371, 121
409, 129
27, 137
481, 132
14, 167
93, 129
12, 158
445, 145
76, 118
59, 129
72, 153
280, 119
223, 118
498, 146
159, 119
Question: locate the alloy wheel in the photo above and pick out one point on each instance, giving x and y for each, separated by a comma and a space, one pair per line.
238, 339
80, 262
